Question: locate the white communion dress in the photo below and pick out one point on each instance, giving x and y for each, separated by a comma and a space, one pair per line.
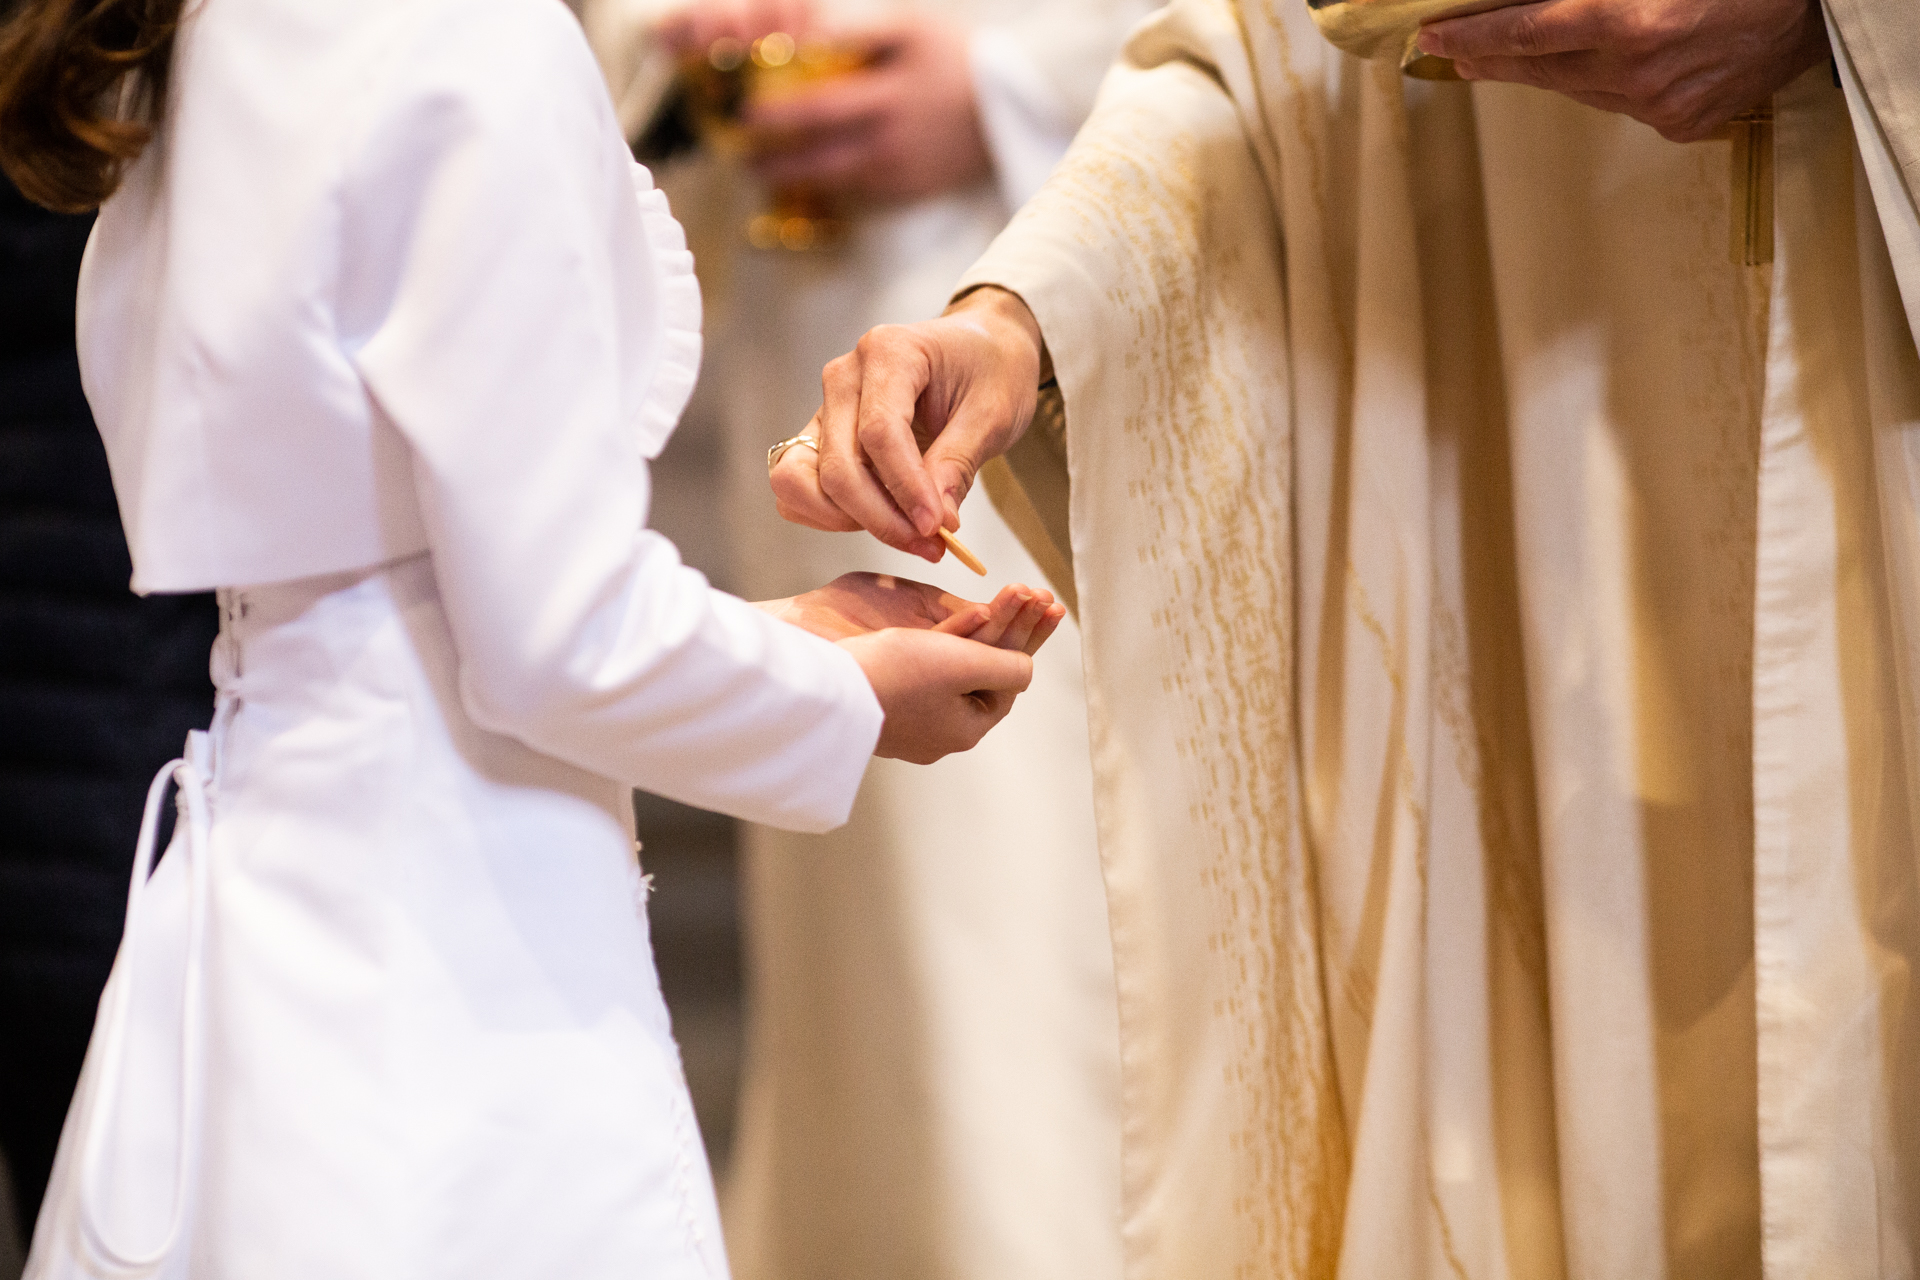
386, 320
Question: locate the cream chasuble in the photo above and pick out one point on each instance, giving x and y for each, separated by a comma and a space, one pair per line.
1500, 618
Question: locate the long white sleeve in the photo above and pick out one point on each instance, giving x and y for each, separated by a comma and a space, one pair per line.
528, 321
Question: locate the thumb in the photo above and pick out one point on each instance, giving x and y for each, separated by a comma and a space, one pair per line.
986, 668
982, 428
952, 471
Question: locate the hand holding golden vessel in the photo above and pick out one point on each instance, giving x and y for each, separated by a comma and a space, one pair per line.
1694, 71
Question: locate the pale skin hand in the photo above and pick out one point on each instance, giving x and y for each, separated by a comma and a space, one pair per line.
961, 388
1685, 67
944, 669
903, 128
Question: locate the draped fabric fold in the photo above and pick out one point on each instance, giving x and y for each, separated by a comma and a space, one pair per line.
1495, 608
1882, 39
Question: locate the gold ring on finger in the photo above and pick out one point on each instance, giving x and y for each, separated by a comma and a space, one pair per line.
779, 450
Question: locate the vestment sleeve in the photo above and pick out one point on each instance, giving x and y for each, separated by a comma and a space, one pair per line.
521, 306
1151, 260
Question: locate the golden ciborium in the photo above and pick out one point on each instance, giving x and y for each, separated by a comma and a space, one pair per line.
711, 94
1388, 29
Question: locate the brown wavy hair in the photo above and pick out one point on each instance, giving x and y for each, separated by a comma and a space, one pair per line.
82, 85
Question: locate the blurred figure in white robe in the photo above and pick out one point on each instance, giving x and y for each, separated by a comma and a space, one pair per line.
931, 1078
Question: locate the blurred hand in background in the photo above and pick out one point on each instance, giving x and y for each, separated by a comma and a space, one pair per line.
904, 127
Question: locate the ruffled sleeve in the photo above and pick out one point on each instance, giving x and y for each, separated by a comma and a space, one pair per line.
522, 307
677, 355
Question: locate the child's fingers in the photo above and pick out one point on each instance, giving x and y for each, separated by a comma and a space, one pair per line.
1020, 630
1018, 618
1055, 614
964, 622
1001, 613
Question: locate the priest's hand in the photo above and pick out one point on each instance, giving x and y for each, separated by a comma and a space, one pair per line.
945, 669
909, 416
904, 127
1686, 67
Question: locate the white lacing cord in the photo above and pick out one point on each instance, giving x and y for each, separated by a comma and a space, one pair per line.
113, 1025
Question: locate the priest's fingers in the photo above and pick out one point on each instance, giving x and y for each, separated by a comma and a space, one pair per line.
989, 417
796, 489
1583, 72
825, 136
962, 384
1667, 92
800, 493
795, 17
869, 396
986, 370
1681, 66
887, 439
991, 357
895, 367
1519, 31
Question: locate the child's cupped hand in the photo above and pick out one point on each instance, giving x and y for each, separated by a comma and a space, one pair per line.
945, 669
854, 604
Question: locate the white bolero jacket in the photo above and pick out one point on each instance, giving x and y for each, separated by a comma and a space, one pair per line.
388, 282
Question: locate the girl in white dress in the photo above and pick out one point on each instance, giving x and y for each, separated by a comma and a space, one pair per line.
381, 327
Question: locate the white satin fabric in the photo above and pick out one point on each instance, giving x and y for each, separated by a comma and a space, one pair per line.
330, 233
387, 1007
389, 281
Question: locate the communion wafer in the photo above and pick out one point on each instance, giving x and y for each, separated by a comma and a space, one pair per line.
962, 554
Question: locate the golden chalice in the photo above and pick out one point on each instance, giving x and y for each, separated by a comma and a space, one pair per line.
1386, 29
734, 74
